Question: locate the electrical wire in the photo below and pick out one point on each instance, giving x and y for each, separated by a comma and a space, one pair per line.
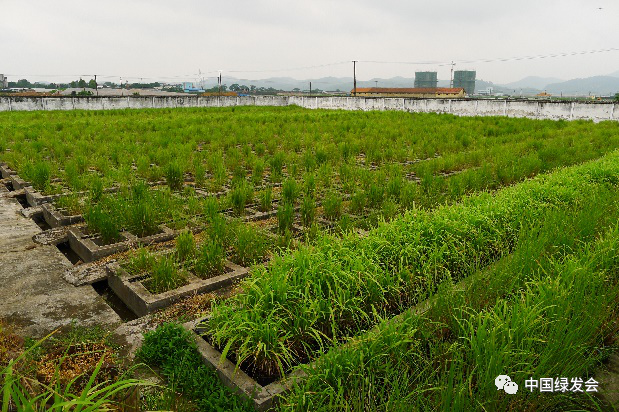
434, 63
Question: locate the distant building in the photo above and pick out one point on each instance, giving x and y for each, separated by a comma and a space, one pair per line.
190, 87
543, 94
426, 79
4, 82
414, 92
488, 91
466, 80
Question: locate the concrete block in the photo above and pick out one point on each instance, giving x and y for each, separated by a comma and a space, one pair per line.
86, 248
264, 398
35, 198
18, 182
57, 218
131, 289
6, 171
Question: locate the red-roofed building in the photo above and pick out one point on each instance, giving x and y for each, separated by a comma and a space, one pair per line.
417, 92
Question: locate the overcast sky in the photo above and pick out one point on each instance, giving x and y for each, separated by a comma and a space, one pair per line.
253, 39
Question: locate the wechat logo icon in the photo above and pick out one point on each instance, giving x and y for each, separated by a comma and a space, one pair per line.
505, 382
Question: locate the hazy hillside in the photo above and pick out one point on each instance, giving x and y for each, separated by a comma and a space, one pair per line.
599, 85
532, 82
528, 86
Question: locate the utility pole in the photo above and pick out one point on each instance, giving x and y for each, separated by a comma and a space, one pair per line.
354, 74
122, 93
451, 82
310, 89
376, 83
96, 86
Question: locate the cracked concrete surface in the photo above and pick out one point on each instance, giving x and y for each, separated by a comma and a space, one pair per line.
34, 296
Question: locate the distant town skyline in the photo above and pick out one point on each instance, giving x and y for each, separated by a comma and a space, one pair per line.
256, 39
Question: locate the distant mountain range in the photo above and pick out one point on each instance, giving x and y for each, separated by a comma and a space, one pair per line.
598, 85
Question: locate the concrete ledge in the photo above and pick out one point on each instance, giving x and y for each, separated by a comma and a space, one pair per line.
131, 290
264, 398
55, 218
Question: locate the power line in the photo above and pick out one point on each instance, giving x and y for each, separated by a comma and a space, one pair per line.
501, 59
434, 63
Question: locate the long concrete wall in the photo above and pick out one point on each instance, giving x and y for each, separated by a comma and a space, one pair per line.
469, 107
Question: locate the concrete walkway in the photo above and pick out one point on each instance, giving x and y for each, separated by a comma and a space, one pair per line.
34, 297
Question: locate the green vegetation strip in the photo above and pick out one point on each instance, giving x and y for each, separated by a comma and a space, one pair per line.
547, 310
309, 300
385, 161
171, 348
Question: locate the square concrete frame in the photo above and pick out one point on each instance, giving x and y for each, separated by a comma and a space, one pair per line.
55, 217
142, 302
264, 398
89, 251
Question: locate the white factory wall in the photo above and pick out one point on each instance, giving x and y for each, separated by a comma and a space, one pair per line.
511, 108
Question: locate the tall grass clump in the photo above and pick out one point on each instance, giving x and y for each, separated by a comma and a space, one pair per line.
285, 217
96, 189
185, 246
171, 349
533, 314
174, 176
332, 206
290, 190
264, 199
20, 392
402, 263
308, 211
165, 275
40, 176
210, 208
240, 196
104, 223
249, 245
210, 259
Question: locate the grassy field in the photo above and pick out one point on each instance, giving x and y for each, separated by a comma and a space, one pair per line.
508, 226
